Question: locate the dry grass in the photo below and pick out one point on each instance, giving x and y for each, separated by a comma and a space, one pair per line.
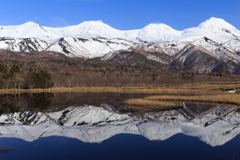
218, 98
167, 89
145, 102
139, 89
197, 92
137, 104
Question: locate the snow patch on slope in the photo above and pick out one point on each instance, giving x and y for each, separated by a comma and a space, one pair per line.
88, 47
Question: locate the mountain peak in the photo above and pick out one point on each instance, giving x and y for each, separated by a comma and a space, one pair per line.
220, 26
94, 24
159, 26
30, 24
158, 32
97, 28
215, 23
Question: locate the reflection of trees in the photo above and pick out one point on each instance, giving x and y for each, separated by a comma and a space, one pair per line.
7, 104
41, 101
10, 103
5, 149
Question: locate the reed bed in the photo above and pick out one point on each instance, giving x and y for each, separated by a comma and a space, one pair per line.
233, 99
168, 89
145, 102
137, 104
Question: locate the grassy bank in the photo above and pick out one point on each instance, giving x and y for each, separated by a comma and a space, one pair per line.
167, 89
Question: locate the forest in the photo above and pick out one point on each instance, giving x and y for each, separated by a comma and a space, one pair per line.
35, 70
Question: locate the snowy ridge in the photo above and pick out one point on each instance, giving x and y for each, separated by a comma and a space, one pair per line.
211, 28
214, 28
29, 30
158, 33
214, 125
87, 28
92, 39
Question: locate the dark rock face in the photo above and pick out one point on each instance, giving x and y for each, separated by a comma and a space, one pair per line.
196, 61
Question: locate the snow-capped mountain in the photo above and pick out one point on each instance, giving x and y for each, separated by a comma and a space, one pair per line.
88, 29
214, 37
214, 28
214, 125
29, 30
220, 26
157, 33
87, 40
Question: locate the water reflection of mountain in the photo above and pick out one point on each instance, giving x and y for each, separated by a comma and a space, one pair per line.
214, 125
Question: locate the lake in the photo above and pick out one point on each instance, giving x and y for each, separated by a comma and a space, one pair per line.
99, 126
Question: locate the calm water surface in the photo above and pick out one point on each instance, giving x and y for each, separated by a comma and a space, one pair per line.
123, 146
71, 126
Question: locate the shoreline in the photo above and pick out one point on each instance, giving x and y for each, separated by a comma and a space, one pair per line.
191, 88
165, 95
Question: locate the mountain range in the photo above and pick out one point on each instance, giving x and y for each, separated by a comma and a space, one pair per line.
212, 46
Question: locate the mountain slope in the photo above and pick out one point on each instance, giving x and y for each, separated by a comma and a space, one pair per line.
88, 47
213, 46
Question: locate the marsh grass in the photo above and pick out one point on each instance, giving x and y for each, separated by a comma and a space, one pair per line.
192, 92
233, 99
158, 108
137, 104
166, 89
146, 102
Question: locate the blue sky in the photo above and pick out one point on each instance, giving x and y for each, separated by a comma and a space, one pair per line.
120, 14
